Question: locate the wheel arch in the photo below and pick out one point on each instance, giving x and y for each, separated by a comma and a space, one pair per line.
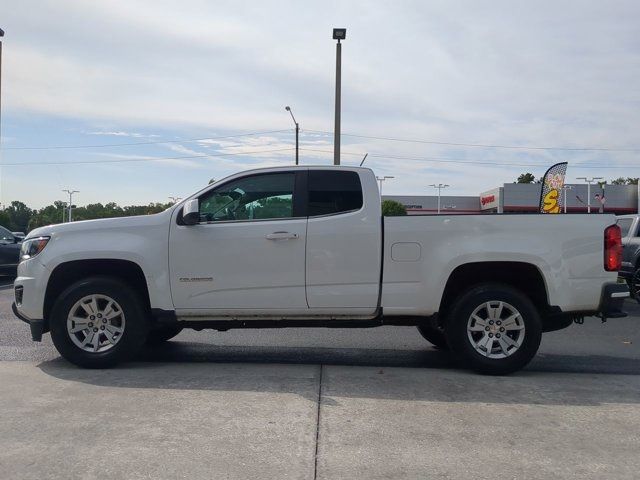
69, 272
523, 276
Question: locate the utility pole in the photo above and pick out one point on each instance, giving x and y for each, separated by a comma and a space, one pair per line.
288, 109
439, 186
1, 35
565, 188
382, 179
589, 182
70, 192
174, 199
338, 34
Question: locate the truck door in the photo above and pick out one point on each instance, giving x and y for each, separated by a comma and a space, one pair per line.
344, 242
247, 254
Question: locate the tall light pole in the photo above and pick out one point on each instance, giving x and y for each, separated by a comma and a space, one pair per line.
565, 188
338, 34
439, 186
288, 109
589, 182
71, 192
382, 179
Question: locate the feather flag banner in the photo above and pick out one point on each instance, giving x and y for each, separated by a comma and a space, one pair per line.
552, 183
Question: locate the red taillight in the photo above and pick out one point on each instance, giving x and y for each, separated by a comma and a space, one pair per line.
612, 248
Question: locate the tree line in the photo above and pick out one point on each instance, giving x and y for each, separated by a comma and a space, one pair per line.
530, 178
17, 217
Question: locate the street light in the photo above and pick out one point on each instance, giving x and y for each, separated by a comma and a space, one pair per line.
589, 182
71, 192
288, 109
382, 179
565, 188
338, 34
439, 186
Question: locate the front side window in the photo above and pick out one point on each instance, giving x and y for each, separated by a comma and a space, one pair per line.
258, 197
332, 192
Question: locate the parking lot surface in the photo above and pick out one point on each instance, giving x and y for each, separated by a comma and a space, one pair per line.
322, 403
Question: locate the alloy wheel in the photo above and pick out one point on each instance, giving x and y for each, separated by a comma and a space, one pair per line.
96, 323
496, 329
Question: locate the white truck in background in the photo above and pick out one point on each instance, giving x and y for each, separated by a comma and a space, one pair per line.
308, 246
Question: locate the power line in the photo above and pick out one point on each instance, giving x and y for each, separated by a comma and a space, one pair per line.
107, 145
480, 145
450, 160
153, 159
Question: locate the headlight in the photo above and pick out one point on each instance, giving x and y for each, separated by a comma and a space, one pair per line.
32, 247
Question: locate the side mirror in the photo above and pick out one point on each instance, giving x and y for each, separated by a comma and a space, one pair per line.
191, 212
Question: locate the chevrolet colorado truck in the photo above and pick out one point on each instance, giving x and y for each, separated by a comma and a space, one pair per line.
309, 247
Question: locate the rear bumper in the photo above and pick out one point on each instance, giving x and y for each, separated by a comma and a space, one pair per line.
612, 300
37, 325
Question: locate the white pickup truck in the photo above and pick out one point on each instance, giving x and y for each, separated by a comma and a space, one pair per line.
308, 246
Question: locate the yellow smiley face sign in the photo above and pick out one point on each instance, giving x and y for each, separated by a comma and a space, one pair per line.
550, 202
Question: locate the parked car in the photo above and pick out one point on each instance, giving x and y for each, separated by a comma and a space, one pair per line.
308, 247
630, 269
9, 252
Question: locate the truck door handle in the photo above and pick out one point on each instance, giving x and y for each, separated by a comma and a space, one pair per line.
281, 236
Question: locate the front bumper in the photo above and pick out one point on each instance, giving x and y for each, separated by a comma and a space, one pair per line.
612, 300
37, 325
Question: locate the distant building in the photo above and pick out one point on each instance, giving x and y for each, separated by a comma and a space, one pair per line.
522, 198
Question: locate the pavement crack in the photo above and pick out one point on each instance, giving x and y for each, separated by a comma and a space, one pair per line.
315, 464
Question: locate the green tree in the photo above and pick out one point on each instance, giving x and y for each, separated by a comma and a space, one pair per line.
625, 181
19, 217
391, 208
526, 178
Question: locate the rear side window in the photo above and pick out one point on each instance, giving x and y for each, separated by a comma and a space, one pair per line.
332, 192
625, 225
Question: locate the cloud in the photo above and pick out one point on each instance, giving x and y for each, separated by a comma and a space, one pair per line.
124, 134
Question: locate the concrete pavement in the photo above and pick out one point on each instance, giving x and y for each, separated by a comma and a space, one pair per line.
219, 420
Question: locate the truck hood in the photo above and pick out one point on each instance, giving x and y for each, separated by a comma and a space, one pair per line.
139, 221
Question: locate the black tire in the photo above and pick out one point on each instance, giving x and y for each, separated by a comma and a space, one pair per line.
456, 329
634, 285
134, 333
162, 334
434, 335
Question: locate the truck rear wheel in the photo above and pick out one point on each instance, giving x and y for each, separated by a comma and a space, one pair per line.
494, 328
98, 322
434, 335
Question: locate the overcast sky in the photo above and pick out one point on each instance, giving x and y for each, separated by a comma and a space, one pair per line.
514, 73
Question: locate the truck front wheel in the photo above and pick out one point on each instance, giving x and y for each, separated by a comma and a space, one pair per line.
98, 322
494, 328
